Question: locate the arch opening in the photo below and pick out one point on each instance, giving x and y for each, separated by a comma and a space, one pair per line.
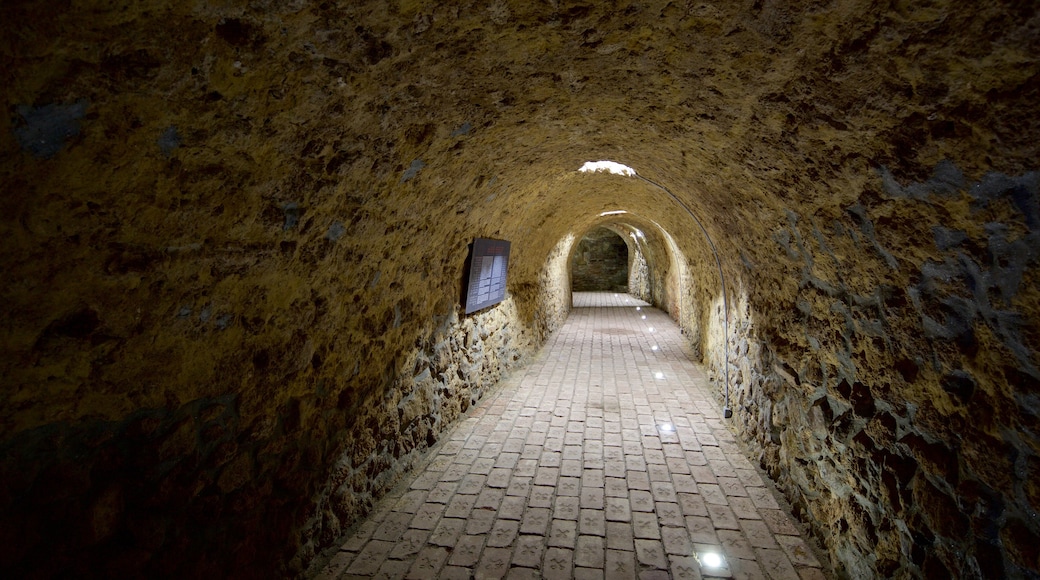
601, 262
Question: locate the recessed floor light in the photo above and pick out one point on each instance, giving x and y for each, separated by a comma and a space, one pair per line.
711, 560
658, 375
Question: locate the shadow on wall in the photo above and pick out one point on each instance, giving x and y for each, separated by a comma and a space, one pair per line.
894, 397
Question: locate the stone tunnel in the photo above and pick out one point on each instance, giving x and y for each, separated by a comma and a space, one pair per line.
234, 236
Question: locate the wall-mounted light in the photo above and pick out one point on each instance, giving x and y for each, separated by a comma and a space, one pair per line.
613, 212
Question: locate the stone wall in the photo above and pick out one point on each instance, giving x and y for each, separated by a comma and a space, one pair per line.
232, 230
600, 262
458, 363
898, 406
639, 275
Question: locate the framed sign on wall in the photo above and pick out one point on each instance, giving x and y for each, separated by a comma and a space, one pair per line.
486, 282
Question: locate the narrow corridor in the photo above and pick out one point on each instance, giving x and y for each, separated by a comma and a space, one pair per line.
604, 458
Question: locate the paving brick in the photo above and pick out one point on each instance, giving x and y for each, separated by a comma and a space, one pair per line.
744, 508
732, 487
644, 525
525, 468
360, 538
615, 487
569, 486
589, 552
592, 497
410, 502
519, 486
619, 536
676, 540
336, 566
557, 564
371, 557
460, 506
663, 491
702, 530
722, 517
722, 467
692, 504
394, 568
493, 565
409, 545
749, 569
669, 514
749, 478
393, 526
471, 484
428, 563
427, 516
735, 545
620, 565
442, 492
618, 509
547, 476
541, 496
447, 532
758, 534
797, 550
565, 507
651, 553
592, 521
502, 533
811, 574
588, 574
685, 568
762, 498
490, 498
516, 573
536, 521
528, 551
512, 508
563, 533
776, 564
779, 522
571, 468
684, 483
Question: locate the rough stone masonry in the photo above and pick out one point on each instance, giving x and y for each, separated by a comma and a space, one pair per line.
234, 235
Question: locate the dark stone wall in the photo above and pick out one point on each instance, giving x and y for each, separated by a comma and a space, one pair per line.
600, 262
234, 233
899, 406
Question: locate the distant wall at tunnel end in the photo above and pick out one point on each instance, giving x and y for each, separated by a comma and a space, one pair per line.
887, 369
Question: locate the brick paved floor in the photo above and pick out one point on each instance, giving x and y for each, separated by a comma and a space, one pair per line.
604, 458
